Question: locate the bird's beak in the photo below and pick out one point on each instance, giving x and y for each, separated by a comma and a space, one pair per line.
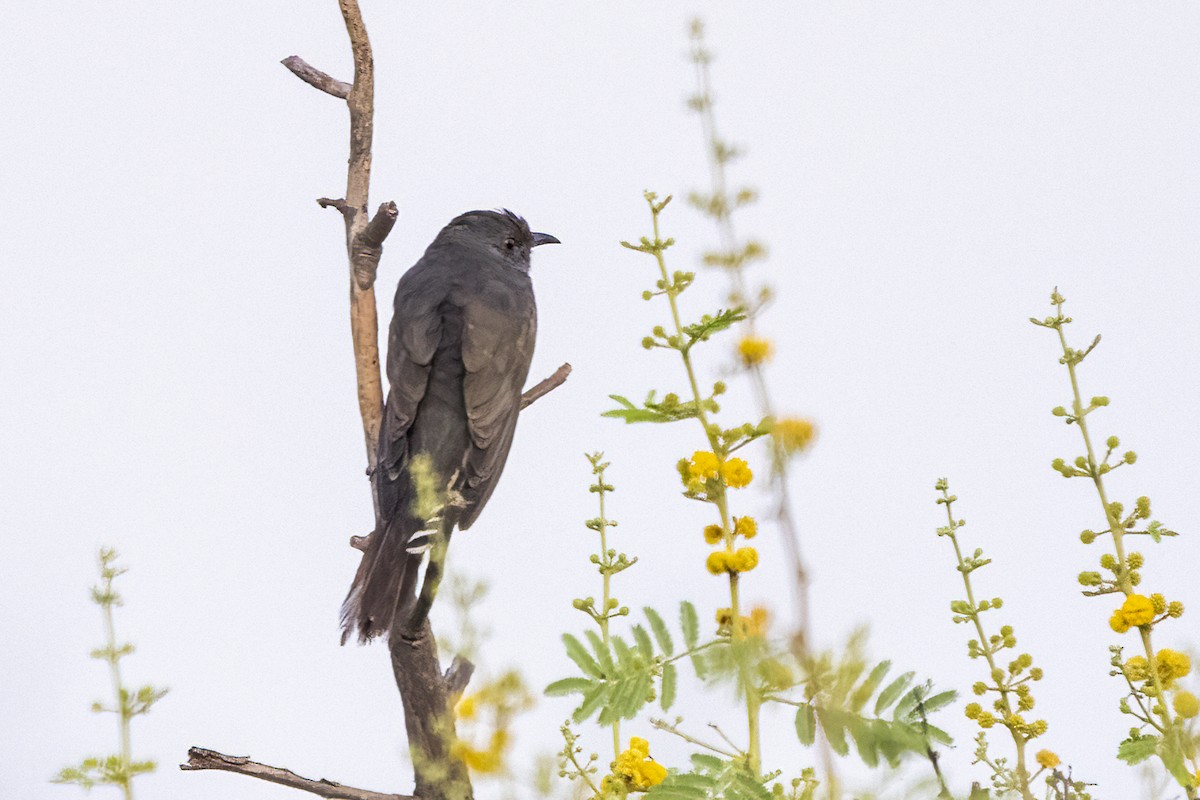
544, 238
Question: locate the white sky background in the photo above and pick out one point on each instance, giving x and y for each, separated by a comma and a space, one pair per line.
176, 377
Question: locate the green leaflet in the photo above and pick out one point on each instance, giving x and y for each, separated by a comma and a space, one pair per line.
669, 680
806, 725
892, 692
661, 634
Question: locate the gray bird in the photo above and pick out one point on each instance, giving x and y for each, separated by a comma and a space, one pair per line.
459, 348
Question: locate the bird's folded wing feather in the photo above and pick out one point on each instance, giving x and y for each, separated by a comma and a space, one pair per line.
412, 341
497, 349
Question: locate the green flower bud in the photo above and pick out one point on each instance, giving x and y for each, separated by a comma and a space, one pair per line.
1113, 443
1135, 560
1143, 507
1058, 411
1130, 457
1108, 561
1100, 401
1087, 537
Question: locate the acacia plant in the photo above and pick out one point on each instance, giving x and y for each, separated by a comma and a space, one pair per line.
120, 768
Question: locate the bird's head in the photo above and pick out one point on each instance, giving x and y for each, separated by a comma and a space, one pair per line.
501, 232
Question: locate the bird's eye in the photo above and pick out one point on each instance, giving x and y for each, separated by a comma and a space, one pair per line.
510, 243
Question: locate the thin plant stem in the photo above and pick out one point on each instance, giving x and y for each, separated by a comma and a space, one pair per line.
1019, 741
753, 697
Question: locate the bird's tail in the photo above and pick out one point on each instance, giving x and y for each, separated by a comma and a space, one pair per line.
385, 577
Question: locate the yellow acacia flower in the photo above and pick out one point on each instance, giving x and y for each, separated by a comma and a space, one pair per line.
1136, 610
754, 350
718, 562
736, 473
704, 464
713, 533
1137, 668
745, 526
1186, 705
465, 708
793, 434
635, 767
489, 760
1171, 665
744, 560
757, 622
1048, 759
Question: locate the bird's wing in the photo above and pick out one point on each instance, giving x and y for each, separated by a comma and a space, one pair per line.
412, 341
498, 344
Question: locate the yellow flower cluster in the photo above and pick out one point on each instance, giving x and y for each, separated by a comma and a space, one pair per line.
1014, 722
754, 350
489, 760
793, 434
743, 559
745, 527
1135, 611
635, 769
1171, 664
1048, 759
754, 625
705, 466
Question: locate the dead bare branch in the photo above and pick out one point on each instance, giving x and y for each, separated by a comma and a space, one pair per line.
315, 78
201, 758
545, 387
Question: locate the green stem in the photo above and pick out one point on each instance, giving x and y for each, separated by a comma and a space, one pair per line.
122, 699
1115, 528
1019, 741
722, 213
616, 726
752, 696
1114, 525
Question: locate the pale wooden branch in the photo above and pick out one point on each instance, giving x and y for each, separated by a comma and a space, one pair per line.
315, 78
200, 758
545, 387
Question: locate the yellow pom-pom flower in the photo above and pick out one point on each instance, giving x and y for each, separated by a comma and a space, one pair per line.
744, 560
703, 465
1186, 704
1048, 759
718, 562
466, 707
713, 533
1171, 665
1136, 610
793, 434
745, 526
754, 350
635, 767
736, 473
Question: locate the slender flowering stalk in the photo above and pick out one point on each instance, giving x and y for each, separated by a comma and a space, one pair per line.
1011, 685
1150, 676
608, 562
120, 769
708, 475
789, 435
